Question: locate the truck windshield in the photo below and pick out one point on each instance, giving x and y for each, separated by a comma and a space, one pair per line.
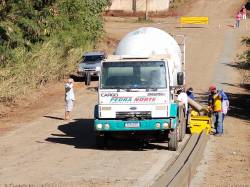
93, 58
133, 75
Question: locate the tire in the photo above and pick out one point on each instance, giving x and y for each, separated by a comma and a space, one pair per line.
87, 78
96, 112
173, 140
182, 123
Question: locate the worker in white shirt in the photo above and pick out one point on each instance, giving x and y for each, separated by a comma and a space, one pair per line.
183, 98
69, 98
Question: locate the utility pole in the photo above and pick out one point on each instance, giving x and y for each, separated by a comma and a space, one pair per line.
146, 11
134, 6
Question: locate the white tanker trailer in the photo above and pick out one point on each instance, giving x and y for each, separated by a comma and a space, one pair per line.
137, 89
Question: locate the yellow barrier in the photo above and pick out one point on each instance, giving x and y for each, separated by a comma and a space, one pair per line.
194, 20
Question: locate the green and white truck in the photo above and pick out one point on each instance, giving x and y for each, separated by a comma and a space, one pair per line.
137, 89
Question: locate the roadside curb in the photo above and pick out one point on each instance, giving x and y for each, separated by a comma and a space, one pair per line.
181, 171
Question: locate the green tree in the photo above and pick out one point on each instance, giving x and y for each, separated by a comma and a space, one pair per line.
41, 40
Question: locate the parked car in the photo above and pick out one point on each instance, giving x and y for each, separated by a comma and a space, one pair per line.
90, 65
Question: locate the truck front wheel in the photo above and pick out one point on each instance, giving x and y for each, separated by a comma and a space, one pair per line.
87, 78
173, 140
182, 124
96, 112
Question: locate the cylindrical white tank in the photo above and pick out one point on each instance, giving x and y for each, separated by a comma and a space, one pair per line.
149, 41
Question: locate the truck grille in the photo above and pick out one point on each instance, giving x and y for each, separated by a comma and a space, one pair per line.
134, 114
89, 69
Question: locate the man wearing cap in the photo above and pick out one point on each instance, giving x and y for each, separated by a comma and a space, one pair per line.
215, 103
69, 98
190, 93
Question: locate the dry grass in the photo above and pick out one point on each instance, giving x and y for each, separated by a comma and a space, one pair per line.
35, 69
243, 61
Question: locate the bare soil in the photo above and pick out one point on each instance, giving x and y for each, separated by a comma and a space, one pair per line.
37, 147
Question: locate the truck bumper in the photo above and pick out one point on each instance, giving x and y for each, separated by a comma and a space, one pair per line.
92, 73
134, 125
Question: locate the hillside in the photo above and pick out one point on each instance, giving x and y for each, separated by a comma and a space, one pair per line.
42, 40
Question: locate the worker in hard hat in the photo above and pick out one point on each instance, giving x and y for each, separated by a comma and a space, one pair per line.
215, 104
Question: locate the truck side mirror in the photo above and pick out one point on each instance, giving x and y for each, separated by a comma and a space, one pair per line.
180, 78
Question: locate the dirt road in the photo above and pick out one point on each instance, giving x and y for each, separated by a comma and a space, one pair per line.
43, 149
50, 150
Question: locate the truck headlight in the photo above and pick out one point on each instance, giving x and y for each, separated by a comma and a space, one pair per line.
158, 125
99, 126
106, 126
80, 70
165, 125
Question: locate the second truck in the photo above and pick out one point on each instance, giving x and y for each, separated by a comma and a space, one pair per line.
137, 89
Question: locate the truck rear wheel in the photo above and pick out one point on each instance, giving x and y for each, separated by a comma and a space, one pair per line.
173, 140
87, 78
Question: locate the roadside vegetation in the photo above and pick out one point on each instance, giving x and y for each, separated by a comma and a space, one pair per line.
42, 40
177, 3
248, 7
244, 63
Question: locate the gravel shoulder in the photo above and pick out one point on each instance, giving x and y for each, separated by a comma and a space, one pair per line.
226, 159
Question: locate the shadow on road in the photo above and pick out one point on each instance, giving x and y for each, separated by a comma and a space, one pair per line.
78, 133
239, 106
81, 79
81, 135
240, 65
53, 117
239, 102
202, 98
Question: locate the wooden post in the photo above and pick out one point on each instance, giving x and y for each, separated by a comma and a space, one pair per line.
134, 6
146, 11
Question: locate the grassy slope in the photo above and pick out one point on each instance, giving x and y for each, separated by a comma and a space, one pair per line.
42, 41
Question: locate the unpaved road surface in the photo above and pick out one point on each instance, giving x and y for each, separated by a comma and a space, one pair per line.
41, 148
49, 150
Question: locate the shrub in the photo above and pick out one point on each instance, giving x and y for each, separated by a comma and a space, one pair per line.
244, 63
42, 40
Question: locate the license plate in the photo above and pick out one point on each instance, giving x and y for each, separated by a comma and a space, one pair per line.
132, 125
